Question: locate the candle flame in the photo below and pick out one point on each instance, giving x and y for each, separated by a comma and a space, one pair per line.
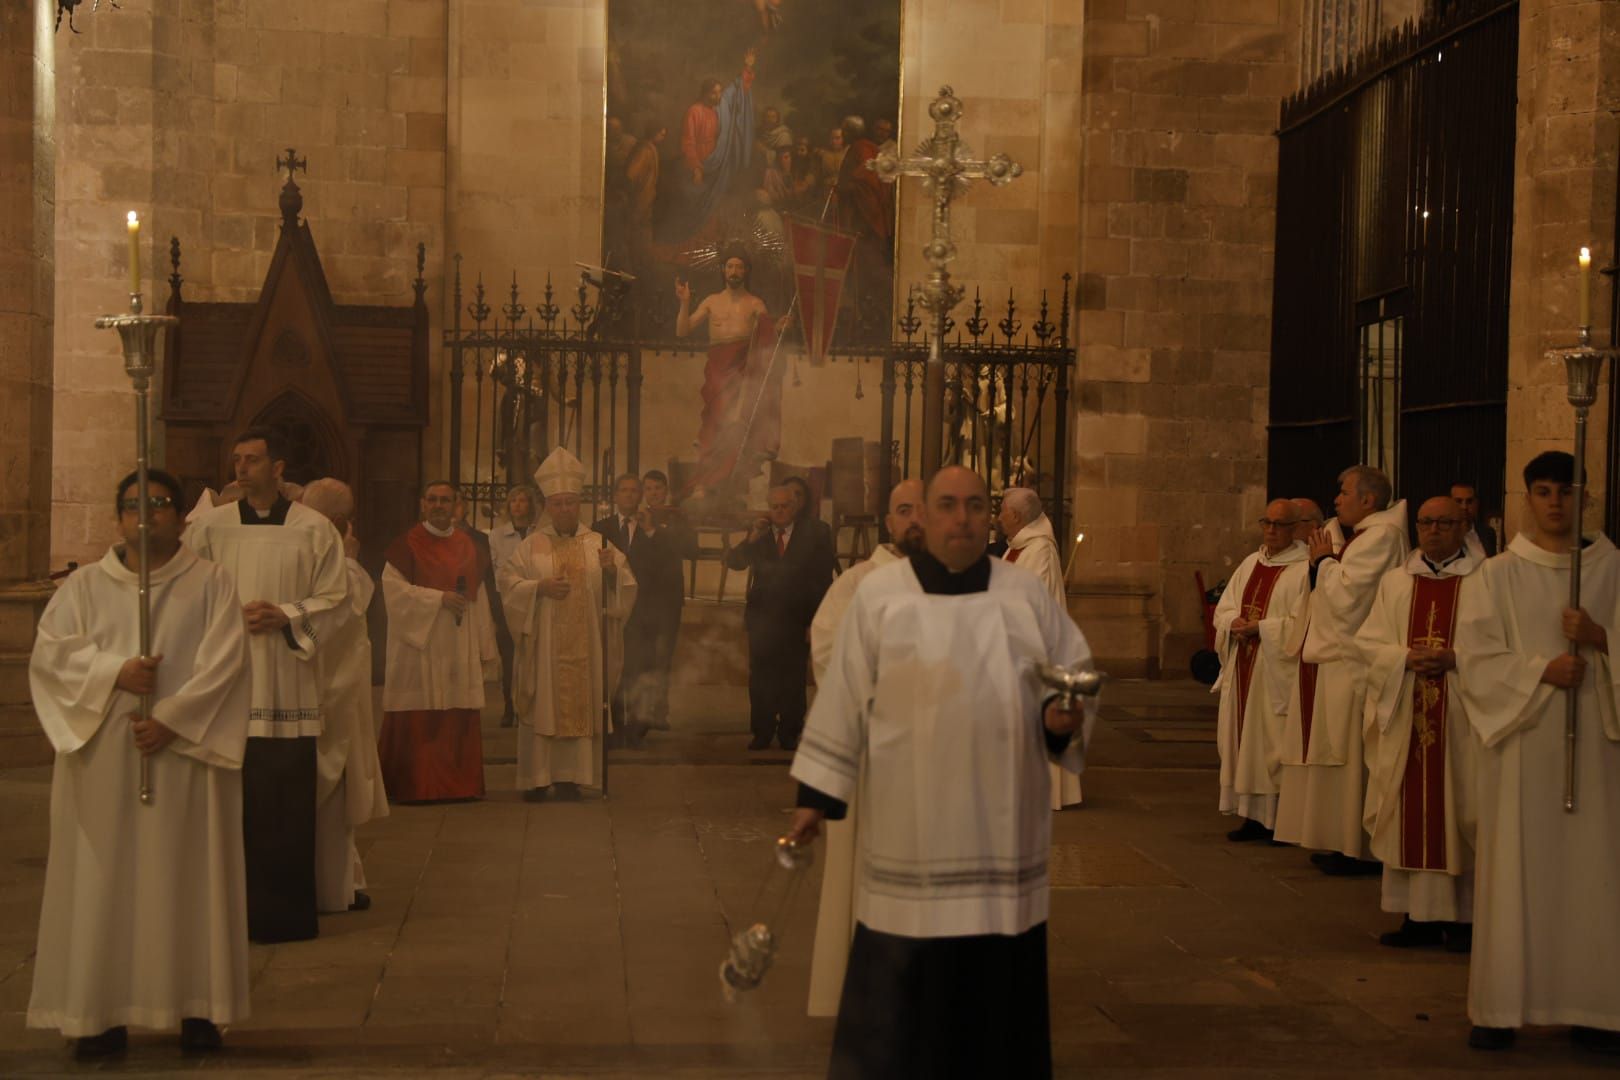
134, 220
1586, 256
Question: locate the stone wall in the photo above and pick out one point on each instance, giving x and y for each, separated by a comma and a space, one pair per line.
178, 109
27, 284
1564, 199
1178, 180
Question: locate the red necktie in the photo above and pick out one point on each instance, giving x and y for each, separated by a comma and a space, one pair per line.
781, 543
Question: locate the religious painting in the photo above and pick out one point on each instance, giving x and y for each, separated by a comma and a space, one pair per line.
744, 127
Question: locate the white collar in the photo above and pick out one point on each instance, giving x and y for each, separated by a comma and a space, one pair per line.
1035, 530
1293, 553
445, 534
1459, 565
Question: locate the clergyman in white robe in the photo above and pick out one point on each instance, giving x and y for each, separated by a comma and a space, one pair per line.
932, 685
1546, 914
1256, 680
1034, 548
144, 919
348, 783
1423, 836
1324, 775
557, 684
292, 557
835, 916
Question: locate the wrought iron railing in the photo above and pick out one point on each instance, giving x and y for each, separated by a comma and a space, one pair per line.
568, 371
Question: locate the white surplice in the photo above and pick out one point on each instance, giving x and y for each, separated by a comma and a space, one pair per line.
543, 686
938, 695
1546, 918
144, 919
1425, 895
299, 567
835, 915
1035, 549
348, 780
1320, 801
434, 662
1251, 765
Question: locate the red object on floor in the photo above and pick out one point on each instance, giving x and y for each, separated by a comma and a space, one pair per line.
432, 755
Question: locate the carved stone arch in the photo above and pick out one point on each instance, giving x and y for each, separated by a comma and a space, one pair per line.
313, 447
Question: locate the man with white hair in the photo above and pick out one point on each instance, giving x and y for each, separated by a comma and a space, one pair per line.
835, 918
348, 778
1032, 546
1324, 776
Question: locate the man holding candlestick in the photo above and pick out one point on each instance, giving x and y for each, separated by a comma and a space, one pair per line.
144, 919
1546, 925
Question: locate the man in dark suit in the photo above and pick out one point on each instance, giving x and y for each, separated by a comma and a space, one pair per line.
1467, 497
662, 589
792, 566
626, 530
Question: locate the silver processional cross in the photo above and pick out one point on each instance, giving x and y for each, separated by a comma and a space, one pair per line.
946, 166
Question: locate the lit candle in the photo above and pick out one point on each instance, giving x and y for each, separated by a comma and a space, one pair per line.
1586, 287
1079, 536
134, 253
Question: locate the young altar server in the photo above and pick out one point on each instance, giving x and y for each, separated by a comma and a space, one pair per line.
1422, 756
349, 784
835, 916
440, 635
287, 563
1251, 625
932, 686
1324, 777
1032, 546
560, 587
1546, 919
144, 919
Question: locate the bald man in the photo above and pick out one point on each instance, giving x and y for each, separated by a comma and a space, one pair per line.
1422, 757
1308, 518
932, 686
1251, 627
835, 921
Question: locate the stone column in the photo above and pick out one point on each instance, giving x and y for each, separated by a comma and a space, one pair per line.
27, 291
1563, 199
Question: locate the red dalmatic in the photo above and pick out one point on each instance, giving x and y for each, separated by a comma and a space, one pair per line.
1256, 600
1430, 625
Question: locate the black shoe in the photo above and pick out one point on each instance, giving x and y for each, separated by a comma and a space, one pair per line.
758, 743
1459, 937
787, 744
199, 1036
1489, 1038
362, 902
1596, 1039
1337, 864
567, 792
1249, 830
536, 794
114, 1040
1415, 935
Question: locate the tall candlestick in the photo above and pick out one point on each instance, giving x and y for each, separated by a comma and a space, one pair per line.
134, 253
1586, 286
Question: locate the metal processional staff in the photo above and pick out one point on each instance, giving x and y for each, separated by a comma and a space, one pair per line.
139, 333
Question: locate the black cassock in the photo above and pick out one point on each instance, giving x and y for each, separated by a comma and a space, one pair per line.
956, 1007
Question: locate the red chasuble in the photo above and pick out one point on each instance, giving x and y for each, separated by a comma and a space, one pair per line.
1256, 599
428, 755
1431, 625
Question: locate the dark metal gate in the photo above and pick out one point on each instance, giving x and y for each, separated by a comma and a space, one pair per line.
1394, 219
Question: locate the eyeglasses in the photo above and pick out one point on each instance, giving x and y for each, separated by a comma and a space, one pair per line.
1437, 523
1268, 523
153, 502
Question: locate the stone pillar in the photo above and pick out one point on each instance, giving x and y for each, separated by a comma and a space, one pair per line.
1177, 215
27, 288
1563, 199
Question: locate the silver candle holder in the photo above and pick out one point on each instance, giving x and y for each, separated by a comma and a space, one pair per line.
139, 335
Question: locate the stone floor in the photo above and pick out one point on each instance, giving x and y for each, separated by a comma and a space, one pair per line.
583, 939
